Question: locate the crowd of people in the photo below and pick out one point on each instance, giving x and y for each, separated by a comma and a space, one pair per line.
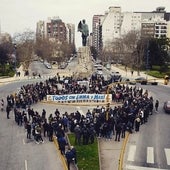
135, 107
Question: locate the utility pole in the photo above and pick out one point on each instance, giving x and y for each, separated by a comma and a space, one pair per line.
147, 59
15, 59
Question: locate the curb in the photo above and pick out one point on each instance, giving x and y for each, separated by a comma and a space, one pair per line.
121, 157
81, 104
99, 154
61, 156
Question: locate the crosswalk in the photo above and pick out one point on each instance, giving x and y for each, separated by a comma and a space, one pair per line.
150, 157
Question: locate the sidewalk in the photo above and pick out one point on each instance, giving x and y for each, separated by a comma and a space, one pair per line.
127, 74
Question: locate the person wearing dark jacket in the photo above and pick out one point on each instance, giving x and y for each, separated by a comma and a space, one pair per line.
28, 126
50, 132
156, 105
74, 154
8, 109
118, 129
69, 157
62, 144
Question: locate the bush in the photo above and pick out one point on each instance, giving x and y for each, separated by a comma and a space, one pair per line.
156, 74
7, 70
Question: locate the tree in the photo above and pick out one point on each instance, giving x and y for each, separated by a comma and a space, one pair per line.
158, 52
129, 42
94, 52
139, 55
6, 50
25, 47
44, 48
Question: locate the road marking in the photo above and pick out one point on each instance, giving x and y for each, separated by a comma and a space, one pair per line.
23, 141
26, 166
131, 154
131, 167
150, 155
167, 153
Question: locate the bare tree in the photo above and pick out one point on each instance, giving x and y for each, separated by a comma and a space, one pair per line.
24, 47
130, 41
44, 48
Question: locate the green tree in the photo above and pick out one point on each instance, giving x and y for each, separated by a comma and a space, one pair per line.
158, 52
6, 50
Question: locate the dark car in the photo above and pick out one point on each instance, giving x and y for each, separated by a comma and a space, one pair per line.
166, 107
128, 81
141, 80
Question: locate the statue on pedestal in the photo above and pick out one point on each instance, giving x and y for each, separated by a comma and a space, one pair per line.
83, 28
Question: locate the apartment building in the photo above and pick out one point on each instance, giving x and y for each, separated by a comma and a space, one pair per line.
55, 29
115, 23
97, 32
111, 25
154, 28
70, 32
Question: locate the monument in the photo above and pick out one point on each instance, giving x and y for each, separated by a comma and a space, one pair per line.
83, 28
84, 66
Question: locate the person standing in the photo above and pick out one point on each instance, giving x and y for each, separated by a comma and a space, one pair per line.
74, 154
8, 109
118, 129
69, 157
28, 126
156, 105
50, 132
137, 124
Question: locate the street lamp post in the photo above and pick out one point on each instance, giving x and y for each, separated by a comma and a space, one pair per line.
15, 58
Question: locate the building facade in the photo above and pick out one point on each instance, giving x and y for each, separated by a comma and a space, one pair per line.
114, 24
97, 32
56, 30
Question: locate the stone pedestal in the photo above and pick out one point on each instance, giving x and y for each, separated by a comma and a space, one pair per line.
84, 66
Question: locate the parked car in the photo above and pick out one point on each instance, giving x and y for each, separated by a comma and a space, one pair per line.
166, 106
128, 81
141, 80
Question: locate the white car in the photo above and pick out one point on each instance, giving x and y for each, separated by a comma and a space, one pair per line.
48, 65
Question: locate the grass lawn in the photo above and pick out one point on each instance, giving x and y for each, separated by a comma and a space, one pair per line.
156, 74
87, 155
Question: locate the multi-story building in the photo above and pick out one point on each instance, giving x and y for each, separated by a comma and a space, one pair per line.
130, 21
97, 32
40, 29
111, 25
154, 28
55, 29
70, 33
147, 29
115, 24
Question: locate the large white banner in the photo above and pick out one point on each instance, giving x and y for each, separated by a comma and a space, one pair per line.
80, 97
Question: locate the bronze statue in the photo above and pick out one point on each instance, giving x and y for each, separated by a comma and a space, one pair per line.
83, 28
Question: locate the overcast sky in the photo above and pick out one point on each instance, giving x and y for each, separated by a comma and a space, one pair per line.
18, 15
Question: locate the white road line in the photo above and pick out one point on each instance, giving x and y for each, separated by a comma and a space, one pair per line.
26, 166
150, 155
131, 167
23, 141
131, 154
167, 153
